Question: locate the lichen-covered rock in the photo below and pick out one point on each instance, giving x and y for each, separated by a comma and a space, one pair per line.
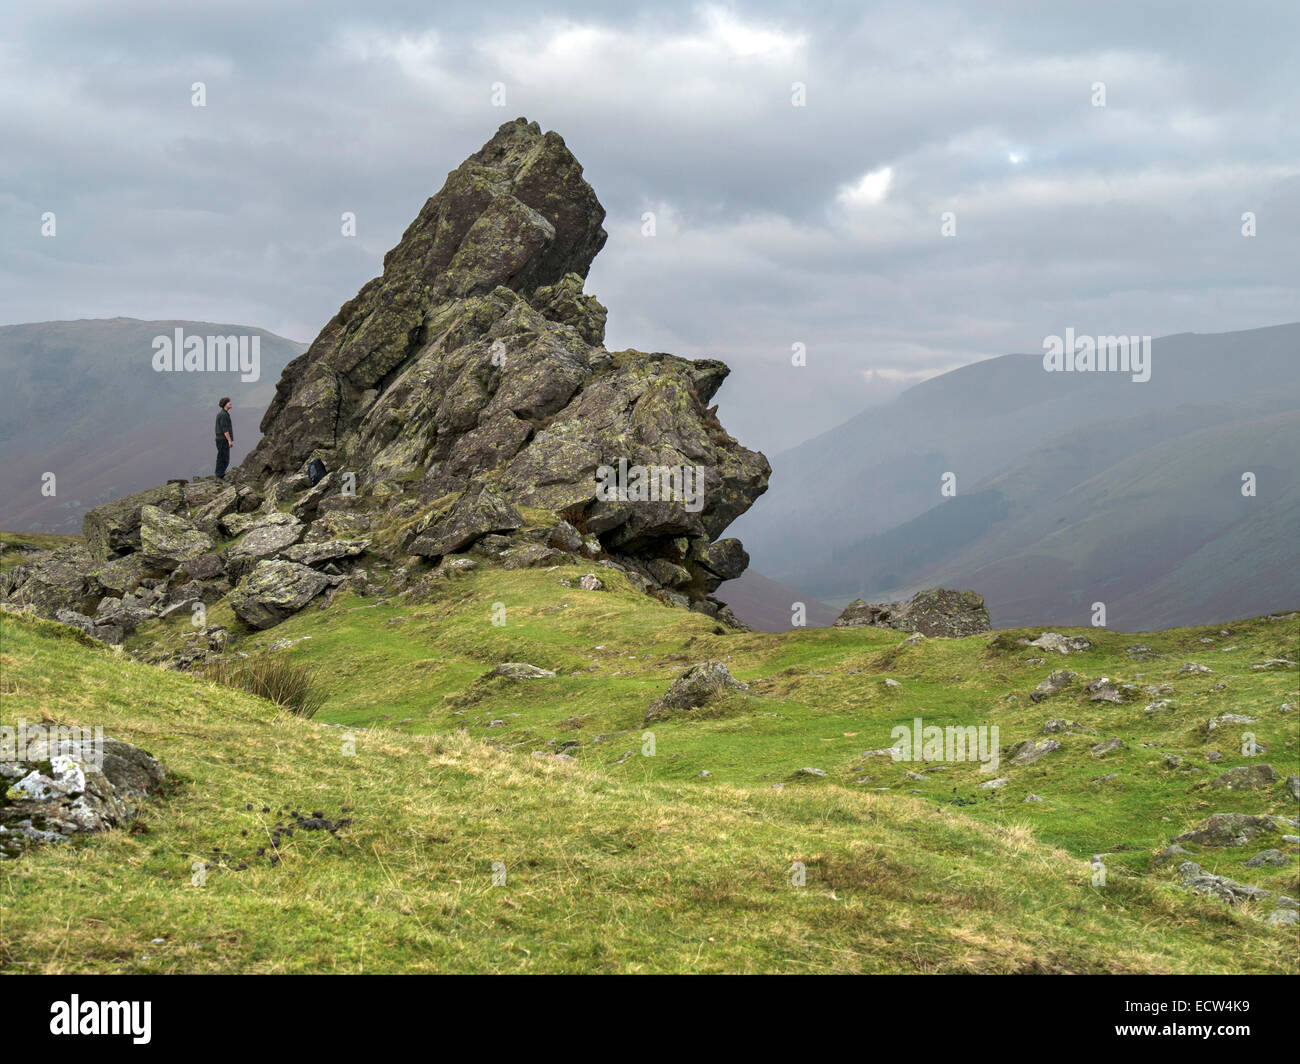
1220, 887
476, 358
1061, 644
62, 786
469, 382
274, 590
59, 580
935, 613
330, 550
203, 567
1031, 750
519, 670
266, 541
1055, 683
473, 514
337, 524
1104, 689
114, 528
223, 502
120, 575
1246, 778
167, 540
1229, 829
697, 686
125, 613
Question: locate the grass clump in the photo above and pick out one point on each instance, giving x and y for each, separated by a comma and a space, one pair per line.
290, 684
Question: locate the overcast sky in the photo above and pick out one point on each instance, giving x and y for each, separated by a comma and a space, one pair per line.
776, 224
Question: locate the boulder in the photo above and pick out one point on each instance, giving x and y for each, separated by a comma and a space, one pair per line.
1246, 778
167, 540
1221, 887
718, 562
1104, 689
1061, 644
473, 514
56, 581
58, 787
305, 508
666, 573
120, 575
1269, 859
565, 537
337, 524
266, 541
114, 528
697, 686
476, 358
1228, 829
319, 553
204, 567
1028, 752
934, 613
274, 590
236, 524
224, 502
1055, 683
125, 613
1214, 723
518, 670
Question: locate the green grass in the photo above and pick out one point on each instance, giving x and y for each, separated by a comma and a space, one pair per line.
14, 546
623, 862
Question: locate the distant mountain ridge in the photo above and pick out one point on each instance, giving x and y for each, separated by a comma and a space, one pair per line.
1070, 489
82, 400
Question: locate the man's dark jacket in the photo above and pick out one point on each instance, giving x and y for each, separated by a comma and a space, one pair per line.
223, 426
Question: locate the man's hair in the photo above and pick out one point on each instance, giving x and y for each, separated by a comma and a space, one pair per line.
223, 401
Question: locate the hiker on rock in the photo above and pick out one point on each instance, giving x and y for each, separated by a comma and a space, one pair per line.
225, 436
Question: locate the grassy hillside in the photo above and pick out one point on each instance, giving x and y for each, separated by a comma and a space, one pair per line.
616, 861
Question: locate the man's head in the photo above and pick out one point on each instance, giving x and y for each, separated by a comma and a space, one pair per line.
224, 402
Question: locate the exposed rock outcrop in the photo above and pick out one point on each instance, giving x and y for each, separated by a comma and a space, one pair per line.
461, 401
475, 361
933, 612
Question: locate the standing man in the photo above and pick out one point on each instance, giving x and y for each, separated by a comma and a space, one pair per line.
225, 436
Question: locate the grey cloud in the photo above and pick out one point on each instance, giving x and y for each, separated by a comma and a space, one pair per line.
1128, 213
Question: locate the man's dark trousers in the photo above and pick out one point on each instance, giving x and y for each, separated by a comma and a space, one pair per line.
223, 457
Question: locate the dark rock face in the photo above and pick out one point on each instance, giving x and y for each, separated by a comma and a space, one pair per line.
935, 612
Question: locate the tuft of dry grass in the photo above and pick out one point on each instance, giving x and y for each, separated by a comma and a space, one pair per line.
290, 684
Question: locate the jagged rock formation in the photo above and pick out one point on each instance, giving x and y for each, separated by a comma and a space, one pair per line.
466, 399
934, 612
